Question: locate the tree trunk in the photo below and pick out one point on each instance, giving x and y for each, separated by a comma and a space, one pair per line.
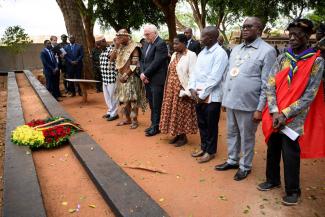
74, 24
170, 17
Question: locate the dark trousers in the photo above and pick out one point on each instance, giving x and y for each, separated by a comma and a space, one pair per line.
291, 161
74, 73
98, 77
57, 84
208, 118
51, 84
154, 94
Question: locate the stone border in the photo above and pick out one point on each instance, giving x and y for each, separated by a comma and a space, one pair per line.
124, 196
22, 195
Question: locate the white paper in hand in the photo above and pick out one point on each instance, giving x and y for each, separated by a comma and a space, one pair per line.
63, 52
293, 135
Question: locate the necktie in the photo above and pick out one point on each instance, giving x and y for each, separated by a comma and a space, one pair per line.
51, 56
188, 43
148, 49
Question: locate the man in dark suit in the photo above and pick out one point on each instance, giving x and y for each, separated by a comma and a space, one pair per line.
56, 51
50, 68
154, 69
74, 64
192, 44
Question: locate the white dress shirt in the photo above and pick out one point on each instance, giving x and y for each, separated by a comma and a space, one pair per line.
208, 73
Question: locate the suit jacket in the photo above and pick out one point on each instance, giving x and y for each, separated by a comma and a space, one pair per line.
49, 64
155, 63
195, 46
76, 54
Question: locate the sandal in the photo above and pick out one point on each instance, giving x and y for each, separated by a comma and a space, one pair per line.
134, 125
122, 123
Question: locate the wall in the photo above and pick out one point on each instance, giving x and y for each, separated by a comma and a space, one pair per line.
28, 60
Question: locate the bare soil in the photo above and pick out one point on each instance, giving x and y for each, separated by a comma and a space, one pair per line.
188, 188
3, 115
64, 183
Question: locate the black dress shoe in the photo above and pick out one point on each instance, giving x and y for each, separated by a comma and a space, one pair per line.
147, 129
112, 118
226, 166
241, 174
106, 116
153, 131
291, 199
266, 186
182, 140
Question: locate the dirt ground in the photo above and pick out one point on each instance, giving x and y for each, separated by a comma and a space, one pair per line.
190, 189
3, 115
64, 183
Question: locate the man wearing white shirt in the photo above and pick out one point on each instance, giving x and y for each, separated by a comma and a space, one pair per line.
206, 89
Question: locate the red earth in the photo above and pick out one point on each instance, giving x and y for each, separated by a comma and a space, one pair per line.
188, 188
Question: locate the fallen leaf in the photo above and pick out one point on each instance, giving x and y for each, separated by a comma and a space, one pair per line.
263, 213
92, 206
202, 180
246, 211
262, 207
82, 197
265, 199
72, 210
161, 200
222, 197
248, 207
64, 203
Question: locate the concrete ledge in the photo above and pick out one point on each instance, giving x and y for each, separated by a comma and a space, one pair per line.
122, 194
22, 194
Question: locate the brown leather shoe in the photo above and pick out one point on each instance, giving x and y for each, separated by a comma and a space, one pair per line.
205, 158
198, 153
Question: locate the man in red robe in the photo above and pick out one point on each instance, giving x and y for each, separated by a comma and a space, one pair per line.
295, 104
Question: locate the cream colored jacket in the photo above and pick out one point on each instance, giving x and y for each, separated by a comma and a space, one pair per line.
184, 69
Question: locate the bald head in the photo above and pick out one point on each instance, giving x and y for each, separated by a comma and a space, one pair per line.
209, 36
252, 29
256, 21
188, 33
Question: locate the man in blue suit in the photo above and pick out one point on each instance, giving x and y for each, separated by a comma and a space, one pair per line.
50, 68
73, 59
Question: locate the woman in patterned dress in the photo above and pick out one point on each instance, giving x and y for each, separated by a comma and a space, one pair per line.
178, 116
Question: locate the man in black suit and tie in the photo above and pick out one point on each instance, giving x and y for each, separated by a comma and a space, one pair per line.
50, 68
192, 44
74, 64
154, 69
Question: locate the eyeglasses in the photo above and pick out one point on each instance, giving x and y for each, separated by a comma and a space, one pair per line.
247, 26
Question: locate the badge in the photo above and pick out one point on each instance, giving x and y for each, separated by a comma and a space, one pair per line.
234, 71
133, 67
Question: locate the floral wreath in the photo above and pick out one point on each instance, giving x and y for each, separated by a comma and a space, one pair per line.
48, 133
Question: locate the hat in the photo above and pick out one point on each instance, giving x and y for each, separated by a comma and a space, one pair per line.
99, 37
64, 35
305, 24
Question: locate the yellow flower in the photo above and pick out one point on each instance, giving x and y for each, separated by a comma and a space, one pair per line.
25, 135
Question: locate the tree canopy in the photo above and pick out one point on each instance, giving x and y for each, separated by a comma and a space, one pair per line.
15, 39
127, 13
